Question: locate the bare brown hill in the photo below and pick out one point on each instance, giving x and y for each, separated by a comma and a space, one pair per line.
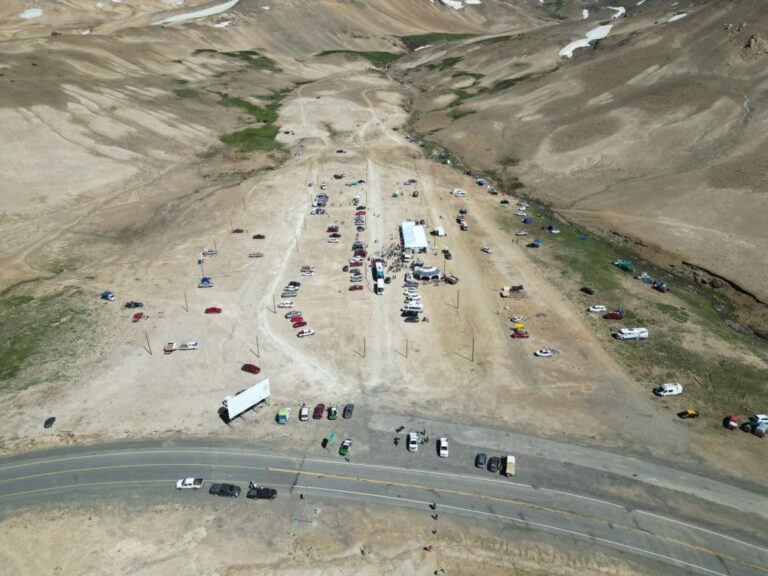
654, 133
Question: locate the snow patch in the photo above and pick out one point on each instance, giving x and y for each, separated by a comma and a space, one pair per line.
452, 4
212, 10
223, 24
472, 2
619, 11
584, 14
640, 3
595, 34
422, 47
31, 13
677, 17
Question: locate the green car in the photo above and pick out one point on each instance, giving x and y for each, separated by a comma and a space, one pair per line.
345, 446
333, 412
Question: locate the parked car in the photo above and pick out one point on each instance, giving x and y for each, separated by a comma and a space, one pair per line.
494, 464
442, 447
345, 446
689, 413
289, 294
413, 441
348, 409
668, 390
295, 319
480, 460
209, 252
412, 319
517, 318
237, 231
305, 332
333, 240
588, 290
293, 313
250, 368
255, 255
189, 346
759, 418
259, 492
333, 412
317, 414
521, 233
134, 304
521, 334
170, 347
303, 413
543, 353
259, 236
286, 304
448, 255
137, 316
596, 308
614, 315
226, 490
300, 324
356, 287
189, 483
213, 310
487, 249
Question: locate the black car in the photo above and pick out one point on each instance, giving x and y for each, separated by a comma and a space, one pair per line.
448, 255
411, 319
494, 464
227, 490
480, 460
258, 492
259, 237
134, 304
588, 290
348, 409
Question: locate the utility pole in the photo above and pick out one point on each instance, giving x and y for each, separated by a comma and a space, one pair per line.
258, 355
149, 346
297, 243
473, 349
363, 346
274, 306
186, 302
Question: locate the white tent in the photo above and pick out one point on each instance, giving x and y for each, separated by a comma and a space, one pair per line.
247, 399
414, 236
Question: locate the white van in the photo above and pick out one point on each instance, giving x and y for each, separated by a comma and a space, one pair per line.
415, 307
379, 286
459, 193
632, 334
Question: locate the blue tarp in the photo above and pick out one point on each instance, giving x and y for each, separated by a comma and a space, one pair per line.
527, 220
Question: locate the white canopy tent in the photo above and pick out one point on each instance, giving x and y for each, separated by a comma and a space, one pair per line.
414, 236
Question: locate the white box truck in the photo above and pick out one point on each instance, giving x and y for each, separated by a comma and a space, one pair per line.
508, 466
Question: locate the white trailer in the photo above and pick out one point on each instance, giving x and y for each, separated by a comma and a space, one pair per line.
508, 466
380, 286
247, 399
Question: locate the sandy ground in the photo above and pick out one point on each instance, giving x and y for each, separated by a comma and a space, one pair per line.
307, 538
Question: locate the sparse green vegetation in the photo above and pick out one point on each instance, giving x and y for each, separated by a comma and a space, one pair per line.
445, 63
185, 93
509, 161
475, 75
457, 113
415, 41
252, 139
379, 59
31, 325
267, 114
250, 57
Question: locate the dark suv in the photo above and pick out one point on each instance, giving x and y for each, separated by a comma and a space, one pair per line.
494, 464
258, 492
480, 460
228, 490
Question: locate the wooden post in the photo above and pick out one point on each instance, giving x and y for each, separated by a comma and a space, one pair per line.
258, 355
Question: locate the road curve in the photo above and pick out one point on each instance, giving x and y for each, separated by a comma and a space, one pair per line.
106, 470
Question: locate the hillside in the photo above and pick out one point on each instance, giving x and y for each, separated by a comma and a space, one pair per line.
651, 135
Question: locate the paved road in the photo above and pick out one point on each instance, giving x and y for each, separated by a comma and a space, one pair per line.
105, 471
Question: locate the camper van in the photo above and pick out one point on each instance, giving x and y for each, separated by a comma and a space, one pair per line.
632, 334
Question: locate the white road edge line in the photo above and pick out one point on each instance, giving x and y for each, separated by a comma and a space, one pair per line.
712, 532
525, 522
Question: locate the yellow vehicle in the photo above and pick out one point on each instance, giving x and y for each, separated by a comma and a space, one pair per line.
518, 326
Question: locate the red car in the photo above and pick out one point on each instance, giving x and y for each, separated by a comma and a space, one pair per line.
213, 310
138, 316
615, 315
520, 334
299, 324
355, 287
250, 368
295, 319
355, 264
237, 231
361, 253
360, 213
319, 411
332, 229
